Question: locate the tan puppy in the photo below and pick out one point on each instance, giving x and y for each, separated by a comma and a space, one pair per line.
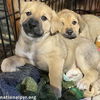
35, 44
87, 26
39, 45
68, 21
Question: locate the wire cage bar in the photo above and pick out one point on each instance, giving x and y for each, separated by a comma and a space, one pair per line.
9, 19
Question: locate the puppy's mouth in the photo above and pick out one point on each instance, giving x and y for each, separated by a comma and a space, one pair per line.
32, 28
33, 33
72, 36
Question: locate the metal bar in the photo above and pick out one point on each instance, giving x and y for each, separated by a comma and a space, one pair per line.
1, 37
1, 3
49, 3
85, 11
61, 3
13, 12
98, 4
3, 17
75, 5
58, 5
65, 4
2, 10
85, 2
90, 5
55, 6
10, 42
52, 3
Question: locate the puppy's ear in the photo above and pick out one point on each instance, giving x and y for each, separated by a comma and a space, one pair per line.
56, 24
84, 30
81, 22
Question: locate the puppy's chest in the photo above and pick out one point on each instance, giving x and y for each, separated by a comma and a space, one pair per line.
34, 53
27, 52
30, 53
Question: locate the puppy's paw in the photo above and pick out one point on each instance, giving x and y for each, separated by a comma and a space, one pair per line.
83, 84
95, 90
88, 93
8, 66
57, 92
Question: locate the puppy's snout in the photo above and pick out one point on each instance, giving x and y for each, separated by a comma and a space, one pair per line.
69, 31
32, 27
32, 23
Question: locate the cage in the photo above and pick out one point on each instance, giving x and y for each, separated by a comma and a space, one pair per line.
9, 19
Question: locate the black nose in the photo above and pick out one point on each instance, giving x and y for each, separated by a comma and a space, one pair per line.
69, 31
32, 23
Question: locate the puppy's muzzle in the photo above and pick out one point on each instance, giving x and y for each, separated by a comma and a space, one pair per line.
32, 28
69, 34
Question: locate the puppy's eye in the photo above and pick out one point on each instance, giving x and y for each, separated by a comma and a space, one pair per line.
28, 13
74, 22
44, 18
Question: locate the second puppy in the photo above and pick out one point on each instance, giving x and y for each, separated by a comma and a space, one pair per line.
87, 26
70, 31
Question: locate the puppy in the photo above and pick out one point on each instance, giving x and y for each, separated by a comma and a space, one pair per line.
41, 43
36, 45
69, 31
87, 26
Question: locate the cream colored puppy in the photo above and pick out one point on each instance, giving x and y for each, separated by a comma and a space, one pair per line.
36, 44
71, 28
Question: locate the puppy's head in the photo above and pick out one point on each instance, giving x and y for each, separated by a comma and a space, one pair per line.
37, 19
72, 23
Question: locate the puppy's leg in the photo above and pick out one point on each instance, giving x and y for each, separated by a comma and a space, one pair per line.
10, 64
90, 76
87, 62
55, 74
95, 89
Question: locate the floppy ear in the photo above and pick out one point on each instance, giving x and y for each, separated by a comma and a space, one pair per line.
56, 24
82, 24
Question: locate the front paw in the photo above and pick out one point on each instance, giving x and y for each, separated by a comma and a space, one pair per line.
83, 84
88, 93
95, 90
57, 91
8, 66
